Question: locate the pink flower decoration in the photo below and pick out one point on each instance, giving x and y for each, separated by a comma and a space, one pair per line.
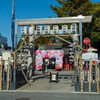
61, 51
49, 51
37, 51
49, 55
57, 67
40, 51
55, 51
46, 56
61, 55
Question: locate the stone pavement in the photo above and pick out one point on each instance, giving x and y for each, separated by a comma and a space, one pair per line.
40, 83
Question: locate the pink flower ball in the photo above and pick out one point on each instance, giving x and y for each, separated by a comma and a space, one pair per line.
40, 51
37, 51
46, 56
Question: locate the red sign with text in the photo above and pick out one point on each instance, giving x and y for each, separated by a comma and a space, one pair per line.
94, 62
86, 40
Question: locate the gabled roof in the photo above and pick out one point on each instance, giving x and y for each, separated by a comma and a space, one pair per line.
92, 49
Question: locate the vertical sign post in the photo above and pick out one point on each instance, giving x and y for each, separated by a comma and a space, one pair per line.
86, 41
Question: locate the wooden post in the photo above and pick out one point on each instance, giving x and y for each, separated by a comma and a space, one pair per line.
97, 79
18, 59
81, 74
1, 76
90, 75
77, 60
26, 44
73, 39
8, 74
24, 40
22, 60
26, 78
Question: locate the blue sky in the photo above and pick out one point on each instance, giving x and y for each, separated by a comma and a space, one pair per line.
25, 9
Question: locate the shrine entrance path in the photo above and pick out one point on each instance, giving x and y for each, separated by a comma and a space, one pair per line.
40, 83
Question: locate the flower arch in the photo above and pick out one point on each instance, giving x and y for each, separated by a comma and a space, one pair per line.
58, 54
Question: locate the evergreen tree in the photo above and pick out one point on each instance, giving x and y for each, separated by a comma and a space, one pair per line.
82, 7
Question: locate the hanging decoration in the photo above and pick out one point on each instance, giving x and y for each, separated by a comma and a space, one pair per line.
58, 54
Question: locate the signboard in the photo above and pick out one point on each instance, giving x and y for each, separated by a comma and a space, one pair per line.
54, 77
86, 41
6, 55
87, 56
